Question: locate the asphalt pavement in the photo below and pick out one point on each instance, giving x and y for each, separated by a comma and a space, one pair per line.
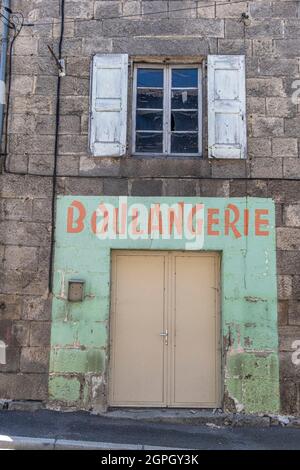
82, 427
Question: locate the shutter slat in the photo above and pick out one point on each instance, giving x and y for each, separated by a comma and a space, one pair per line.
109, 105
226, 107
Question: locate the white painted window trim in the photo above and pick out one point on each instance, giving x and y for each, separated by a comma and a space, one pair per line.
167, 109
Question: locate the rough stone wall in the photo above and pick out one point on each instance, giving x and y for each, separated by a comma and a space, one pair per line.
270, 39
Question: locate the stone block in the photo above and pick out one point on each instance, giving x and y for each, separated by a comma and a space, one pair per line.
24, 233
284, 191
287, 336
213, 188
259, 147
234, 29
40, 333
36, 309
84, 186
294, 313
41, 211
265, 87
34, 360
34, 104
281, 107
288, 394
287, 47
262, 47
285, 287
108, 8
92, 166
115, 187
164, 46
91, 46
10, 307
288, 238
256, 105
186, 9
73, 86
285, 147
22, 85
292, 215
179, 187
204, 27
23, 386
41, 164
296, 289
291, 167
267, 126
28, 186
229, 169
67, 165
20, 258
264, 29
73, 145
27, 47
146, 188
75, 104
83, 9
282, 310
234, 46
288, 262
16, 209
266, 168
12, 360
132, 7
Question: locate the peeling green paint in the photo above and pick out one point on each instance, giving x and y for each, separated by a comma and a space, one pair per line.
248, 305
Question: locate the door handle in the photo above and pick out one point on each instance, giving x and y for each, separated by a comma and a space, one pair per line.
165, 335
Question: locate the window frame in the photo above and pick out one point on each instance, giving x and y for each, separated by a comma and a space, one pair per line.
167, 103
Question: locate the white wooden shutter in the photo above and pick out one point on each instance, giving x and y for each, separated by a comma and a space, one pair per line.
109, 105
227, 133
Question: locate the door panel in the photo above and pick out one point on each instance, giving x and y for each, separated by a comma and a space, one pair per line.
194, 372
154, 292
137, 372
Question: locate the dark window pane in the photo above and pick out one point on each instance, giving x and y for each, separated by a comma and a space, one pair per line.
184, 99
149, 142
149, 99
184, 143
184, 78
149, 120
184, 121
150, 78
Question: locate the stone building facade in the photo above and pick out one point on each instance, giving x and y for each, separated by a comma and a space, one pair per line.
267, 33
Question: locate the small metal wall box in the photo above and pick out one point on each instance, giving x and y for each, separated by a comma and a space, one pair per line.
76, 290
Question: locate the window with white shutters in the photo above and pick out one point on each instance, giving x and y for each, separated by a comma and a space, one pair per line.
167, 107
108, 120
226, 107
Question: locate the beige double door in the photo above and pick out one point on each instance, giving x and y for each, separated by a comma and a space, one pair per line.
164, 329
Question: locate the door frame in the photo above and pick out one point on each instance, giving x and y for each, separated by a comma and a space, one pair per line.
168, 352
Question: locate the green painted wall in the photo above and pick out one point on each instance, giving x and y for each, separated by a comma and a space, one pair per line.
79, 340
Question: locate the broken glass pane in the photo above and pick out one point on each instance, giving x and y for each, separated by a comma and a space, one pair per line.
149, 120
184, 121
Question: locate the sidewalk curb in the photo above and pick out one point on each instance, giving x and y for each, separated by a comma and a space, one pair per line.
33, 443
